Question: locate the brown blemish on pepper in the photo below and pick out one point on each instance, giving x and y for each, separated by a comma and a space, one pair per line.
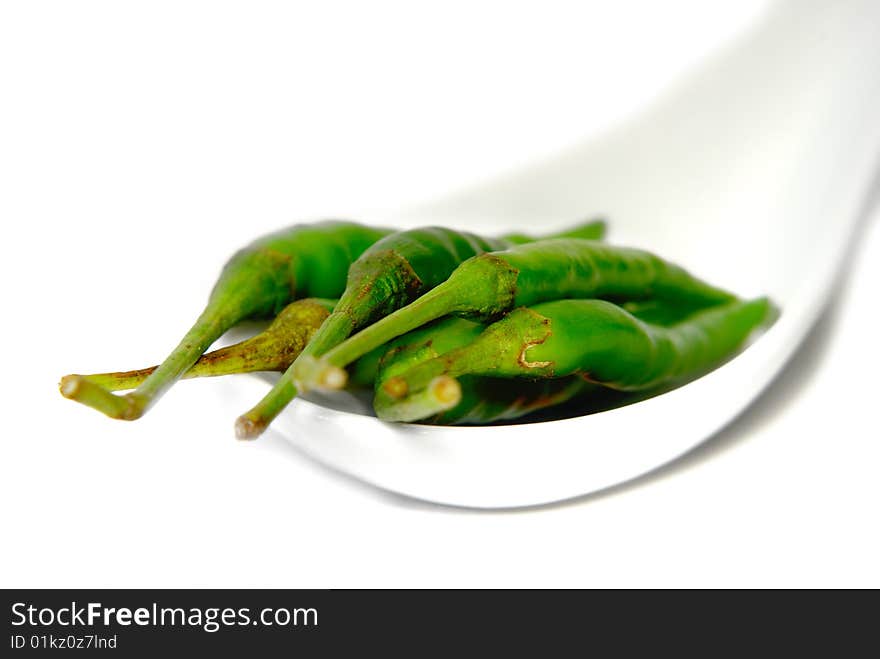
527, 364
364, 292
521, 359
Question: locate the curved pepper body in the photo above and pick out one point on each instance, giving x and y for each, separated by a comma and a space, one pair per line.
307, 260
389, 275
483, 398
489, 285
399, 268
556, 269
598, 341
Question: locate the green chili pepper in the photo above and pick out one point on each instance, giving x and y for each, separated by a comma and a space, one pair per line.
489, 285
481, 399
390, 274
273, 349
594, 339
469, 399
259, 280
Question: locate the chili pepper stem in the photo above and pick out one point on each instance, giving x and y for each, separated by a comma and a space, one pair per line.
219, 362
432, 305
273, 349
335, 329
210, 325
82, 390
441, 394
207, 329
312, 373
251, 424
247, 429
400, 387
121, 381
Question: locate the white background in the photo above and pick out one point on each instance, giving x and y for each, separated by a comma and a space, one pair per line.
140, 144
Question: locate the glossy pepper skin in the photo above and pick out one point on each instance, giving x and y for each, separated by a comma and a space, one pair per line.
593, 339
473, 399
308, 260
490, 285
401, 267
480, 399
273, 349
390, 274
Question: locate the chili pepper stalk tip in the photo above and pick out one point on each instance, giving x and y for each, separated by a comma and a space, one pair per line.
395, 387
69, 386
323, 375
333, 378
248, 429
442, 393
252, 423
445, 390
80, 389
315, 373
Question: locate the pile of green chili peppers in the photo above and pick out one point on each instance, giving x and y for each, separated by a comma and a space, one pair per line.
446, 326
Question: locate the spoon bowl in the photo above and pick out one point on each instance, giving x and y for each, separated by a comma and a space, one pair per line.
751, 173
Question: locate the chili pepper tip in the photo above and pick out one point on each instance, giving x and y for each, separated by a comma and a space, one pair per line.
332, 377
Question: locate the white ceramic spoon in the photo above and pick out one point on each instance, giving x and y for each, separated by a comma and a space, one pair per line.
751, 173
